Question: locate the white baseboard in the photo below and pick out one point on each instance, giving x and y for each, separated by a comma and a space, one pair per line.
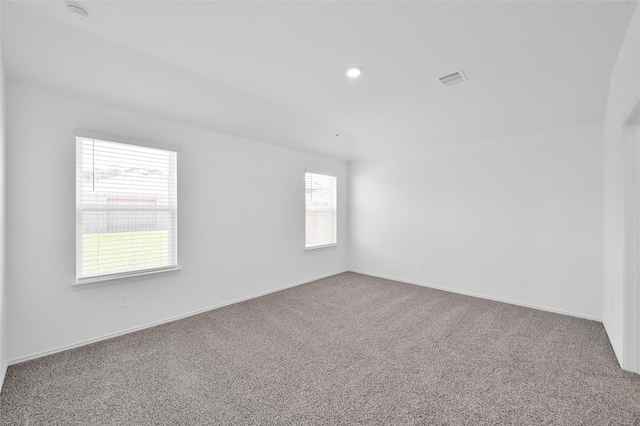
3, 374
155, 323
482, 296
253, 296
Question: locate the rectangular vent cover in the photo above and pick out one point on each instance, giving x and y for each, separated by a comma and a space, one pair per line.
453, 78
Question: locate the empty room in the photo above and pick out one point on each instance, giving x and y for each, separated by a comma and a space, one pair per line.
319, 212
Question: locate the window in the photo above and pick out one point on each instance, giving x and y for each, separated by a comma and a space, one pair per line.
321, 212
126, 210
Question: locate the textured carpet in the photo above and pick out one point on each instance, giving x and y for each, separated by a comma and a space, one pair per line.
348, 349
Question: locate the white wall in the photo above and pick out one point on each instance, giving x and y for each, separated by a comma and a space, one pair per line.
517, 218
624, 94
3, 297
241, 222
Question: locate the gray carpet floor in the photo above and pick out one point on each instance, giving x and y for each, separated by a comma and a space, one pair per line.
346, 350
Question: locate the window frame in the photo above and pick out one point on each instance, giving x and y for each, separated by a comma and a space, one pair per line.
335, 211
134, 274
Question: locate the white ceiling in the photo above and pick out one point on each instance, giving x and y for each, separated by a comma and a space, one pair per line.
275, 71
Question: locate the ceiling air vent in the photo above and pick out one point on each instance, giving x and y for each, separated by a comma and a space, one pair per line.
453, 78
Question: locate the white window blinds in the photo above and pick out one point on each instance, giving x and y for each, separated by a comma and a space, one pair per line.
321, 211
126, 209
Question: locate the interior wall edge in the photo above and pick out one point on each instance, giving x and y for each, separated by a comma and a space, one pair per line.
73, 95
619, 356
3, 215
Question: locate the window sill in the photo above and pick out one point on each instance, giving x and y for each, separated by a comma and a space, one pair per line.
106, 280
324, 247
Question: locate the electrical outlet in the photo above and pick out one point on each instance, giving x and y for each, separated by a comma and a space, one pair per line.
124, 300
420, 266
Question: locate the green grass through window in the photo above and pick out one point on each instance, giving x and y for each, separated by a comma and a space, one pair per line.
111, 252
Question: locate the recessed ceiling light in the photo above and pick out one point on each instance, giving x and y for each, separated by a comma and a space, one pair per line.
77, 10
354, 72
